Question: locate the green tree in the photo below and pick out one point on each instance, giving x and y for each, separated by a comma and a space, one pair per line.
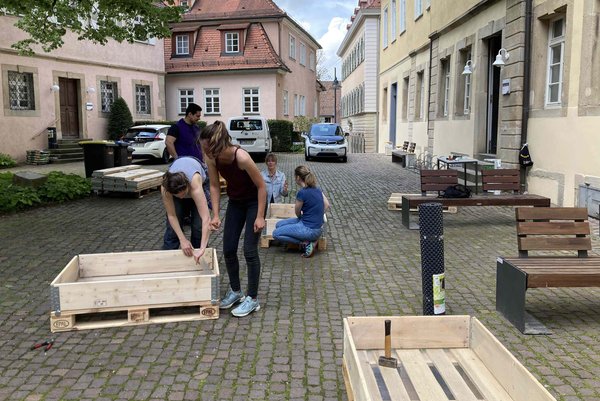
303, 123
119, 119
47, 21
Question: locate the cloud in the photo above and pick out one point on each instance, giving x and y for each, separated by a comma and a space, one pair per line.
331, 40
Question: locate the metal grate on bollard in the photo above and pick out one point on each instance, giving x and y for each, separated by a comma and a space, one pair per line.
431, 223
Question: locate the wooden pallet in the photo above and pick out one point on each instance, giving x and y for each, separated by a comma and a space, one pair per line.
126, 193
439, 358
395, 203
109, 317
277, 212
126, 180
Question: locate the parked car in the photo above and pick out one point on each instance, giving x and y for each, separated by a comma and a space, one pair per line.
326, 140
148, 141
251, 133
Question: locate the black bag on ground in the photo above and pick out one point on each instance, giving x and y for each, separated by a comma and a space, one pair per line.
456, 191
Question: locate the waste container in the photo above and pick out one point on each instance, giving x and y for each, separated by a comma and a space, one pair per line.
52, 142
97, 155
123, 154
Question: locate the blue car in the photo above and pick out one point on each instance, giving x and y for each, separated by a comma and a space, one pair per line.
326, 140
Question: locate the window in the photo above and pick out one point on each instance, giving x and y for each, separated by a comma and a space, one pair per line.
296, 105
302, 54
232, 42
384, 107
212, 101
302, 105
142, 99
467, 97
20, 90
183, 3
556, 47
405, 101
418, 8
108, 94
420, 96
292, 47
182, 44
286, 103
385, 27
186, 96
463, 84
251, 100
311, 60
445, 87
393, 19
402, 16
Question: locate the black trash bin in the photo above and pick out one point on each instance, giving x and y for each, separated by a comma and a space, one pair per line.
97, 155
52, 140
123, 154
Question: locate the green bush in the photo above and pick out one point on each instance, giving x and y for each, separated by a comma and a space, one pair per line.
119, 119
6, 161
297, 148
62, 187
281, 135
59, 187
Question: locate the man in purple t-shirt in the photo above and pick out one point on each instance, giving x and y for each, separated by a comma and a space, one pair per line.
181, 138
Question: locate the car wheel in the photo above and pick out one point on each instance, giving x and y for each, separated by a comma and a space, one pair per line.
165, 156
344, 159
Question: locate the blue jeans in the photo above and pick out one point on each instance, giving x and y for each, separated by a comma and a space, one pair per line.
184, 207
294, 231
238, 214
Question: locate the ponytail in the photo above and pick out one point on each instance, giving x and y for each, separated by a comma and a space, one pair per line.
306, 176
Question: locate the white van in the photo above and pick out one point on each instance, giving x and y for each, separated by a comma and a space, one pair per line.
251, 133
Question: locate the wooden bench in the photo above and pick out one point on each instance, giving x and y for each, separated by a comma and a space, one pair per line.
492, 180
554, 233
403, 155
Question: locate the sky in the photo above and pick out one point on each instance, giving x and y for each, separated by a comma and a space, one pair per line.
326, 21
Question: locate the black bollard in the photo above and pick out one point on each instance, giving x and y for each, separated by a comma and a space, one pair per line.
431, 223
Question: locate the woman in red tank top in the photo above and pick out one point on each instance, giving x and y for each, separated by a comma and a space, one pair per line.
246, 207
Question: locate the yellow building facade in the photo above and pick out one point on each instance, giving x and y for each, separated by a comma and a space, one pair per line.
455, 77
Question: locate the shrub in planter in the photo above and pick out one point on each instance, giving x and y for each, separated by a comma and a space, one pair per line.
281, 134
119, 119
14, 197
6, 161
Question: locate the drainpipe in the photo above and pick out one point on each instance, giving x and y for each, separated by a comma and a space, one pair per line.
526, 85
432, 37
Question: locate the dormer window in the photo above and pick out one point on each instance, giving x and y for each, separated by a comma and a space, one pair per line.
182, 45
232, 42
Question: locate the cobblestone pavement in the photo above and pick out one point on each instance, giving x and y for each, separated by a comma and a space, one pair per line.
292, 348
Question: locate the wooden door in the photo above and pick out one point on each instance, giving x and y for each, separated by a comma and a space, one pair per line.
69, 108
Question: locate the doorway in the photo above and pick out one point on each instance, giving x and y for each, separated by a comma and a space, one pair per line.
494, 45
393, 106
69, 107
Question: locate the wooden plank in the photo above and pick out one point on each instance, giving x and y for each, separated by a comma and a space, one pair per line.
411, 331
69, 273
479, 374
561, 279
420, 375
124, 263
501, 172
281, 210
391, 378
456, 383
552, 213
518, 382
113, 170
128, 175
347, 384
356, 366
553, 228
554, 243
439, 173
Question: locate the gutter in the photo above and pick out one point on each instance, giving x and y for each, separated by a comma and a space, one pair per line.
526, 70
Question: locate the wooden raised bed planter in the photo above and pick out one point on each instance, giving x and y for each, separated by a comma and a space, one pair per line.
277, 212
439, 358
132, 288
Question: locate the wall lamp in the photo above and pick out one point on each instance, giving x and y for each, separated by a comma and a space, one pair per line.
468, 68
55, 88
501, 58
91, 90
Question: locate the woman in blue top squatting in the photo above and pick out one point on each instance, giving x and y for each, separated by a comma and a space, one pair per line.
311, 205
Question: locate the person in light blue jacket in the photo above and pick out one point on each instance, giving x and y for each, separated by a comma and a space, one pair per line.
277, 186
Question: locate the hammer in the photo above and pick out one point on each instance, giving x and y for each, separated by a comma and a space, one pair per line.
387, 360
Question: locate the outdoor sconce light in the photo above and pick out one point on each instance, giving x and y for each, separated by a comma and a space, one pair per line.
91, 90
501, 58
468, 68
55, 88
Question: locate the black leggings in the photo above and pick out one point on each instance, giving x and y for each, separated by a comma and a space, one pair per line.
239, 213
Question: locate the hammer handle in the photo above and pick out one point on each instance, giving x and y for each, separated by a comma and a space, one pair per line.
388, 339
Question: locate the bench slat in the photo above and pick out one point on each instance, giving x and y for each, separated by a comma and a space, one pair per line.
501, 186
554, 243
439, 173
566, 262
553, 228
555, 213
555, 280
501, 172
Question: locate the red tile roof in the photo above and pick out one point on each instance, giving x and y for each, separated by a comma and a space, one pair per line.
258, 52
216, 9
